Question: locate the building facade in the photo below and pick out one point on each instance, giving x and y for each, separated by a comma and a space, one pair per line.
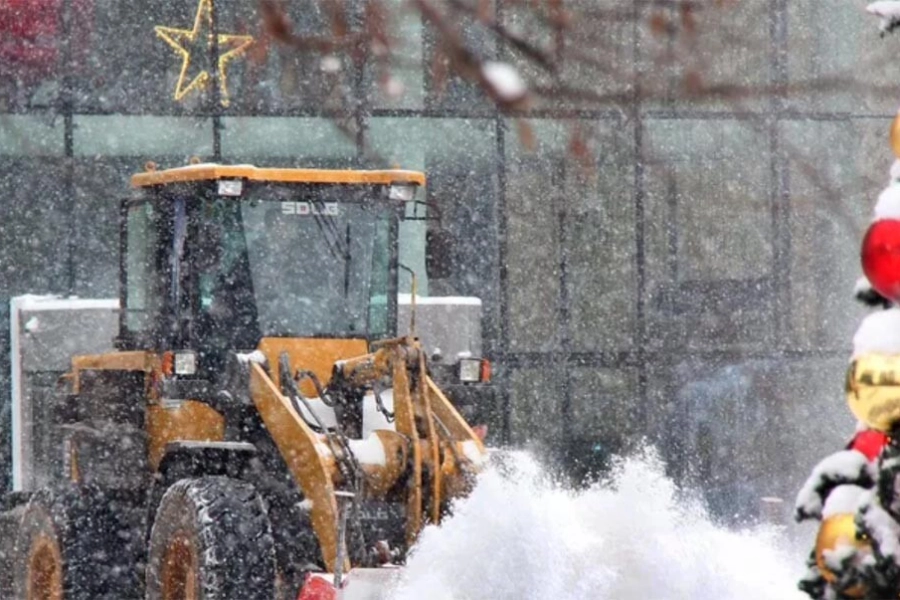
687, 287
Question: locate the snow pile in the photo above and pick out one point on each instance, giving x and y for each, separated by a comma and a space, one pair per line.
879, 333
519, 537
888, 205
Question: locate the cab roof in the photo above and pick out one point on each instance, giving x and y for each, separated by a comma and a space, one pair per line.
214, 171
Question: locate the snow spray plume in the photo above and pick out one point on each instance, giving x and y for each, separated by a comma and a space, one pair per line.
520, 536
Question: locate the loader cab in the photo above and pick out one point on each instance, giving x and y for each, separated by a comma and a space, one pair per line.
217, 257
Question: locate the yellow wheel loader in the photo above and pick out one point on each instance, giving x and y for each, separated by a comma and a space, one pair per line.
260, 423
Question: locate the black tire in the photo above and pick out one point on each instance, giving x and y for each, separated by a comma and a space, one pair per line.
68, 547
296, 549
9, 529
211, 537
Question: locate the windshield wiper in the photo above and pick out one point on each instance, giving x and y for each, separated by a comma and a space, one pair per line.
332, 235
347, 258
329, 229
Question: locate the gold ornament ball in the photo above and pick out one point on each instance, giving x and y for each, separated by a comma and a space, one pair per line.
873, 390
895, 135
838, 530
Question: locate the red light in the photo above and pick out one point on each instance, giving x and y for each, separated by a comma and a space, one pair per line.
167, 365
485, 371
316, 588
881, 258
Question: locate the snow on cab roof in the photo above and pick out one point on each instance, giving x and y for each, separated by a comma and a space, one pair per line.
213, 171
404, 299
49, 302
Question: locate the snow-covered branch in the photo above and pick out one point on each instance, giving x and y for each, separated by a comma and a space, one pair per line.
847, 467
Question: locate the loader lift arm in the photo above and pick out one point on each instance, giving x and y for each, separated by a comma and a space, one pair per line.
431, 437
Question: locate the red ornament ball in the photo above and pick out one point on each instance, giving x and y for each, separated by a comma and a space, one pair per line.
870, 443
881, 257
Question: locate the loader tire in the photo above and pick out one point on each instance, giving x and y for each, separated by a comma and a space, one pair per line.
66, 550
211, 540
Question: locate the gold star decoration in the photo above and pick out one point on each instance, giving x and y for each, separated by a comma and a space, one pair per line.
188, 42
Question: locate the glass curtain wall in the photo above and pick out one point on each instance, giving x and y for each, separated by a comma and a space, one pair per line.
685, 287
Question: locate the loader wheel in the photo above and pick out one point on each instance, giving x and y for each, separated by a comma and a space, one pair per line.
61, 550
211, 540
44, 568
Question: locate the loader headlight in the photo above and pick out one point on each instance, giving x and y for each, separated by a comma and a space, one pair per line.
186, 362
404, 193
470, 370
231, 187
473, 370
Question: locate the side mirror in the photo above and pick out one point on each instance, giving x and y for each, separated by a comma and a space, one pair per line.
439, 245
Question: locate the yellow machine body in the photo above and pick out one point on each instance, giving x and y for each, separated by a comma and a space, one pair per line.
430, 454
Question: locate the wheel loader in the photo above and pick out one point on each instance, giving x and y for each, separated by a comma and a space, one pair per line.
260, 430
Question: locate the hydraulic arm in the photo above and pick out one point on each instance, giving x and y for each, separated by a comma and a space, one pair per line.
431, 454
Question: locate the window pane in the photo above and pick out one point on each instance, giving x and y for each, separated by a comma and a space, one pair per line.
31, 135
35, 227
724, 53
834, 49
287, 142
31, 51
534, 201
144, 293
604, 415
127, 67
147, 137
445, 88
379, 310
536, 399
595, 53
397, 81
133, 63
99, 188
830, 208
709, 233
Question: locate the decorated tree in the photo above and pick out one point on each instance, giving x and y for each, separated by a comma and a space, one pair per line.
855, 493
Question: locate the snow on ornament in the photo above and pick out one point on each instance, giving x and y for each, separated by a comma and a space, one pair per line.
888, 205
889, 13
878, 333
895, 171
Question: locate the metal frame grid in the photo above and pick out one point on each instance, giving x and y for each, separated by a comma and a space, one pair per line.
640, 358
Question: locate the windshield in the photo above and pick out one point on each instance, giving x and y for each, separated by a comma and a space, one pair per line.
313, 261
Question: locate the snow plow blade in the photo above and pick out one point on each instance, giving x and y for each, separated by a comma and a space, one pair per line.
358, 584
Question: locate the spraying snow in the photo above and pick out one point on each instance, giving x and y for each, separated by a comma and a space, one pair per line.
520, 537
